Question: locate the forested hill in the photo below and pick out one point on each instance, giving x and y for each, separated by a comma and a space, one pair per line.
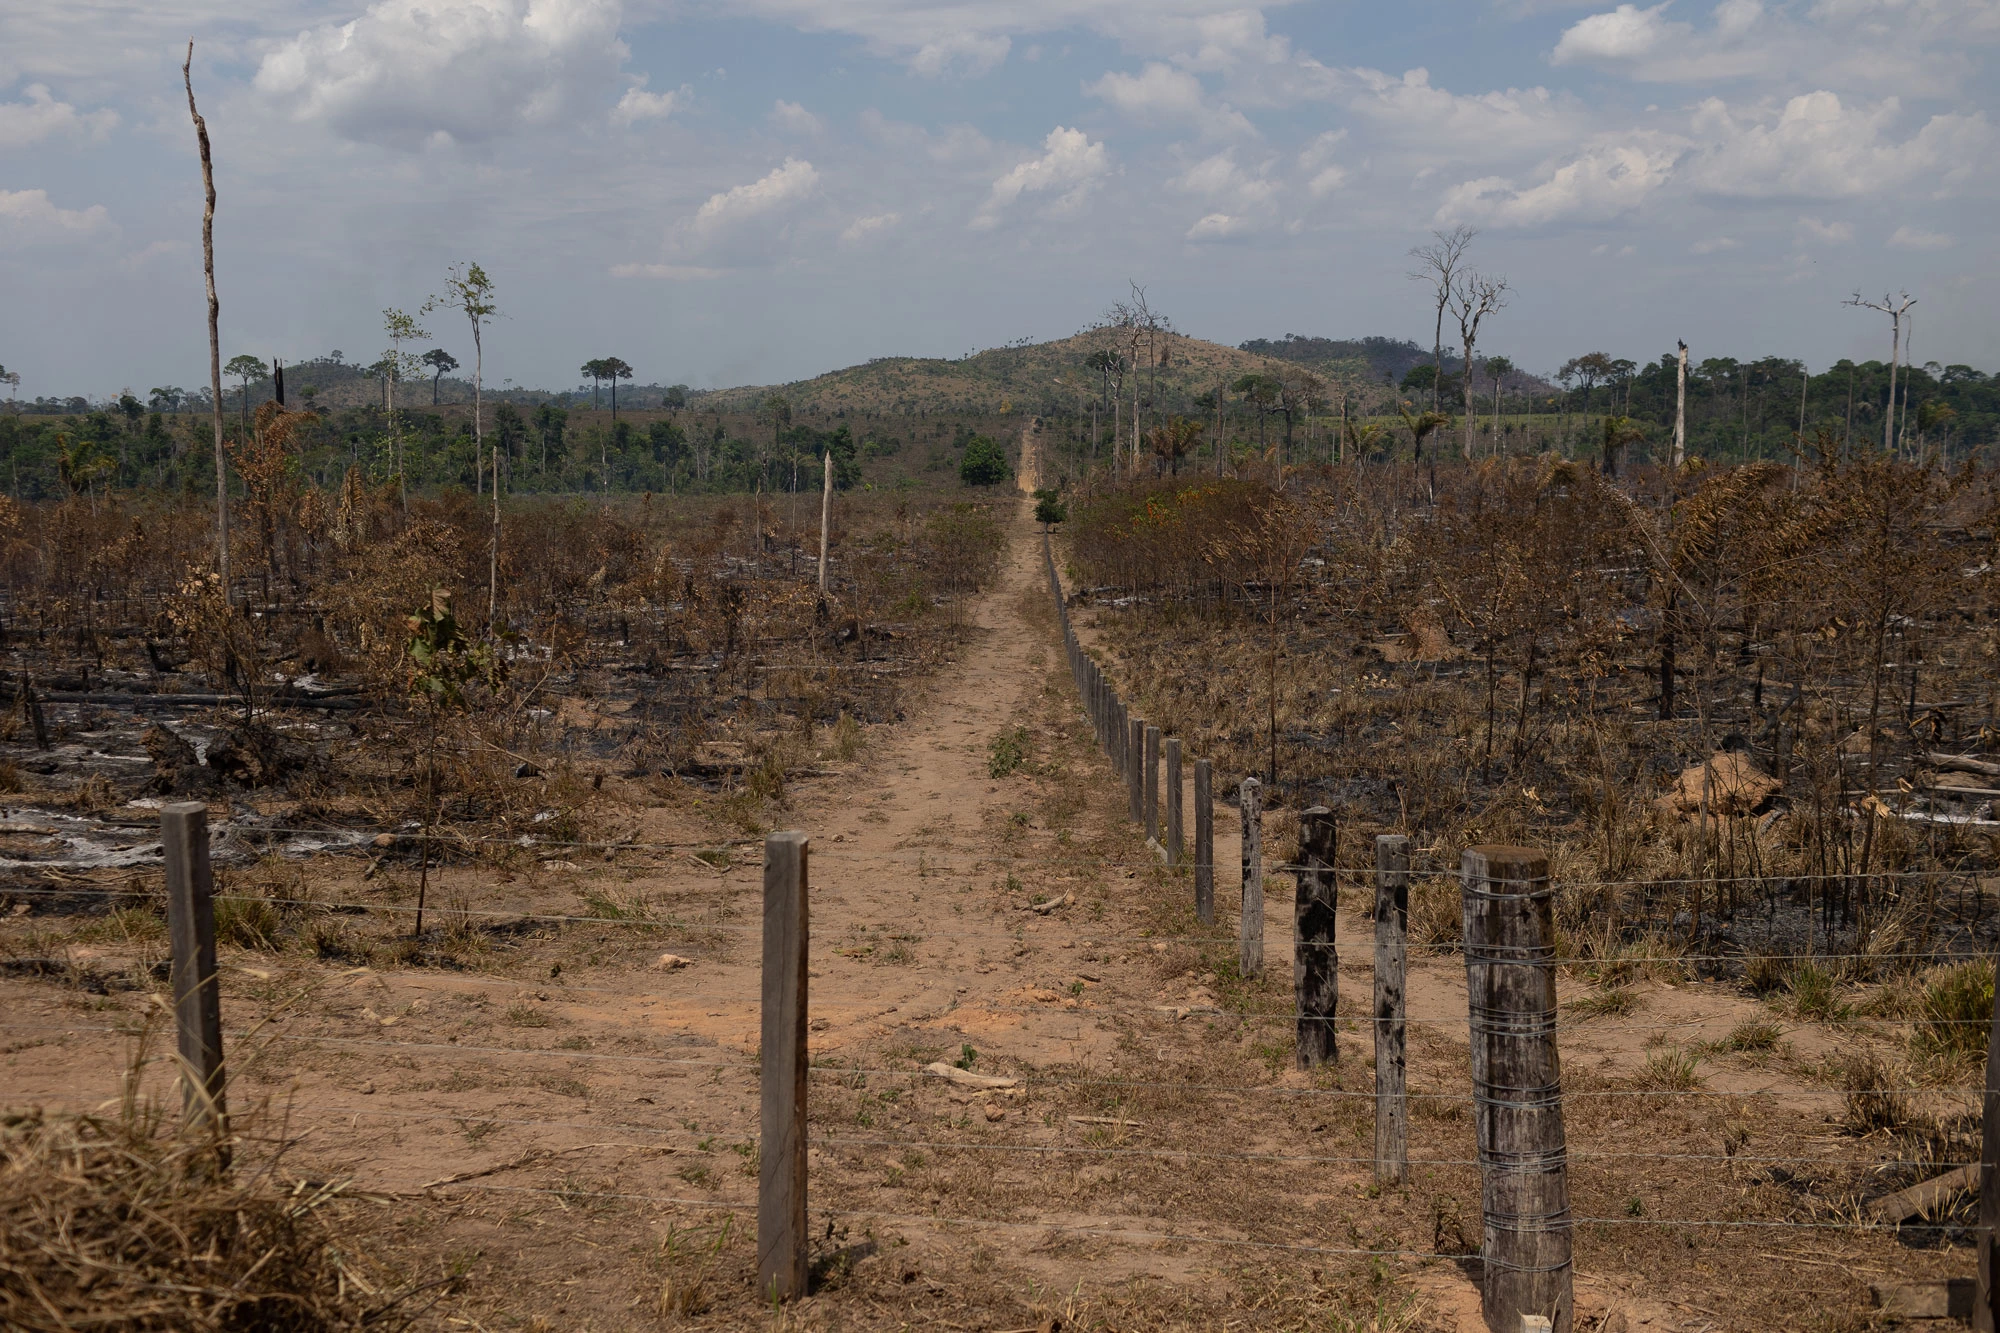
1021, 377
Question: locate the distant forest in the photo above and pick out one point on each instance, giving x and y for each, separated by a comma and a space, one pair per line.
672, 439
1735, 409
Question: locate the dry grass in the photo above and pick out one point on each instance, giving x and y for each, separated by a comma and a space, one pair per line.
117, 1223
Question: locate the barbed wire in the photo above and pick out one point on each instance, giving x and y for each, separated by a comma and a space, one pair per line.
1032, 1080
1215, 936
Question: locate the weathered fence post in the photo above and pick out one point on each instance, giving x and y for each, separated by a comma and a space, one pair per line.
1250, 925
1174, 795
1135, 768
1315, 956
1151, 798
1204, 843
1517, 1086
1986, 1297
1392, 935
197, 1005
781, 1174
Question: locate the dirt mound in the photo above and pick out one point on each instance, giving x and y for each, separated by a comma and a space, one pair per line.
1733, 783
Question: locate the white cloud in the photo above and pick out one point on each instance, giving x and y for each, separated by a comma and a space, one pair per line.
637, 104
1623, 34
1316, 159
1819, 148
28, 217
1431, 121
1070, 163
1161, 94
862, 228
42, 117
1600, 183
791, 118
411, 72
1828, 233
784, 186
1916, 238
1715, 245
1216, 227
965, 53
1814, 147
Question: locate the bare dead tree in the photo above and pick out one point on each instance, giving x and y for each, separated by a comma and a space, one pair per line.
1437, 264
1681, 408
1472, 297
214, 327
1895, 307
1137, 324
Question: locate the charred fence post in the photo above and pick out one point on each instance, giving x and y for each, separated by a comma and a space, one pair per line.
1517, 1086
1150, 798
1250, 924
197, 1004
781, 1172
1174, 798
1392, 935
1986, 1296
1315, 956
1204, 842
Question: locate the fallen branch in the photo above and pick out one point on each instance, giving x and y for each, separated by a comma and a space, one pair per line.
525, 1159
966, 1078
1963, 763
1922, 1197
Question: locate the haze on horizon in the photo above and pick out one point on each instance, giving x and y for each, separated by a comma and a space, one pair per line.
760, 191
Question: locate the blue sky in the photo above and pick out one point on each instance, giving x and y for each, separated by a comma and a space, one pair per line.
761, 190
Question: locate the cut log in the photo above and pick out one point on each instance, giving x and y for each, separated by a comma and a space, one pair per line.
1950, 1298
1963, 763
1921, 1197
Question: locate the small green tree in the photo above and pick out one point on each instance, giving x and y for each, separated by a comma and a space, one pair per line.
245, 368
615, 369
442, 363
985, 462
1049, 508
443, 662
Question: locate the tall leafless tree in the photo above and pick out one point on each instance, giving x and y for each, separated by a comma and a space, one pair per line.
1473, 296
214, 327
1438, 264
1895, 307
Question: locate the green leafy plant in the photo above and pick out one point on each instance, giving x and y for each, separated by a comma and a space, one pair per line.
1008, 752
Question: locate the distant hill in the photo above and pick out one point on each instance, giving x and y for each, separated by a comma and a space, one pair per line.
1381, 360
1031, 377
1022, 377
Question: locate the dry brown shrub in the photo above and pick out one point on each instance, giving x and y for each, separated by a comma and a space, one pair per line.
112, 1223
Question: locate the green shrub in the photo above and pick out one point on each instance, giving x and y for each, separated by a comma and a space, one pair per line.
1008, 752
985, 462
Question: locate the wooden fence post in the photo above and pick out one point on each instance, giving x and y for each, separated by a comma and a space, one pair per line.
1986, 1296
1174, 796
197, 1005
1150, 799
1204, 843
1315, 953
1135, 766
1392, 936
1517, 1086
1250, 924
781, 1174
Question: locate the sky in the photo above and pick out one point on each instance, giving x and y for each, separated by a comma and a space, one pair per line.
749, 191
